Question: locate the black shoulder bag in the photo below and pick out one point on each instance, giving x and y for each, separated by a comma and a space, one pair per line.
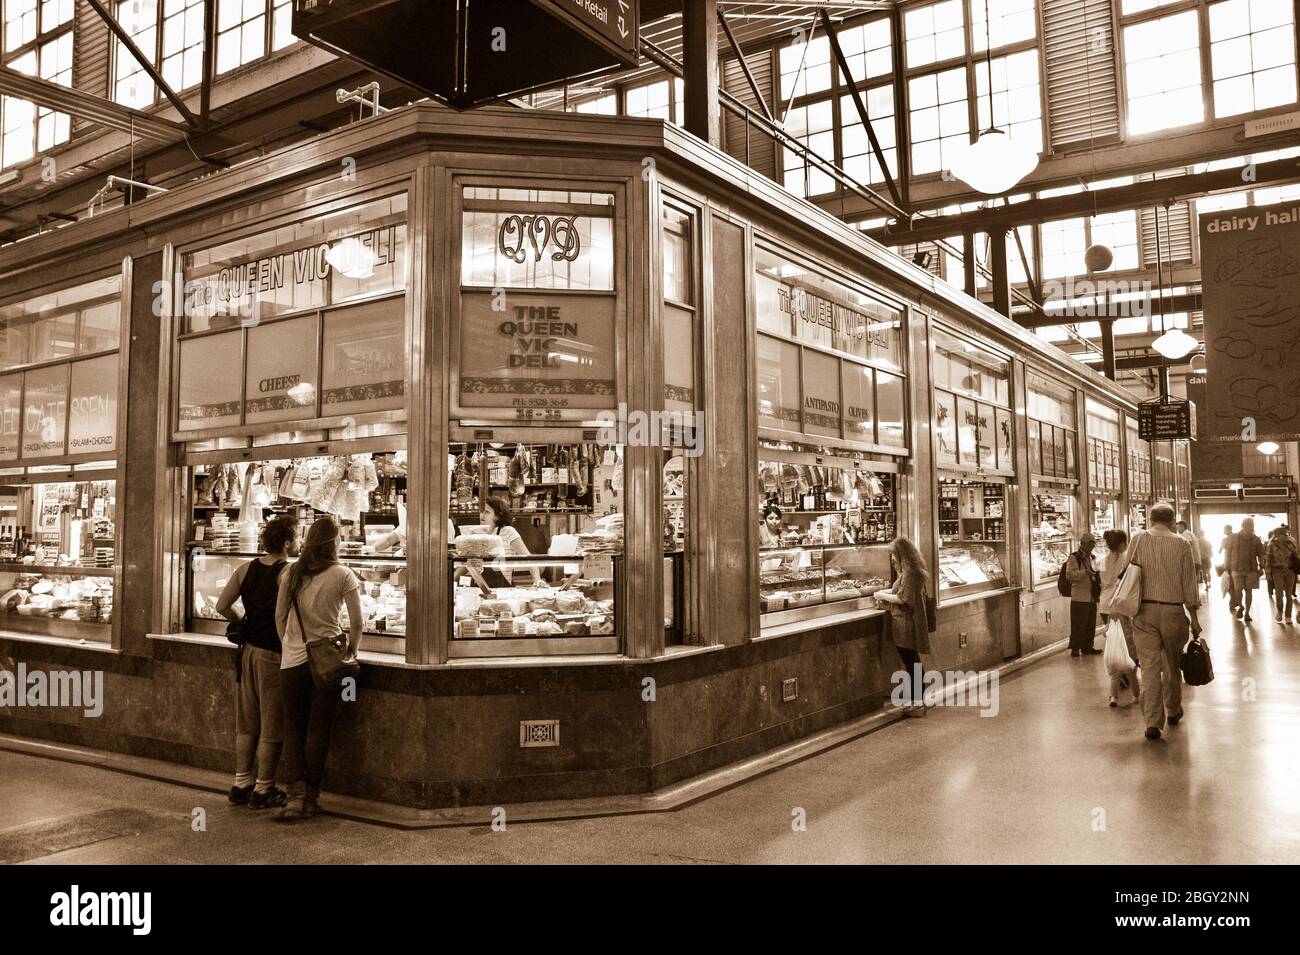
328, 658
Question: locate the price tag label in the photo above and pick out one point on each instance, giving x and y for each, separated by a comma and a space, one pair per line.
598, 566
476, 564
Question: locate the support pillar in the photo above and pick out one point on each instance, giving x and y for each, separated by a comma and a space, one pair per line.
700, 59
1001, 276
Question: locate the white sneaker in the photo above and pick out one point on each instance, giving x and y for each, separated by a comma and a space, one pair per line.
1114, 702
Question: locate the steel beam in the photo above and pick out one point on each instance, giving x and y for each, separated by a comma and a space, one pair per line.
1054, 314
744, 66
209, 62
87, 106
146, 62
1000, 279
1117, 199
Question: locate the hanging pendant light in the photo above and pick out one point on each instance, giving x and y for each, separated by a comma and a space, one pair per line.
1268, 448
994, 163
351, 258
1175, 344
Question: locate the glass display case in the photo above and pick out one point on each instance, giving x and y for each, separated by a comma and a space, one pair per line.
839, 502
1052, 531
364, 492
383, 594
57, 558
823, 576
970, 569
525, 606
972, 536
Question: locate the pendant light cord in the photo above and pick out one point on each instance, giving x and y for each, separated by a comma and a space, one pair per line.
988, 62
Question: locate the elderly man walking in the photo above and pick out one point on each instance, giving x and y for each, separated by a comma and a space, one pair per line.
1085, 590
1170, 599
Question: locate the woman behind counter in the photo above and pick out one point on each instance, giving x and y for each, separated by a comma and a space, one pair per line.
497, 519
909, 624
769, 531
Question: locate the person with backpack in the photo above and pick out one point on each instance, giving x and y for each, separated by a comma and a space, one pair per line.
909, 618
259, 721
1080, 581
312, 594
1281, 558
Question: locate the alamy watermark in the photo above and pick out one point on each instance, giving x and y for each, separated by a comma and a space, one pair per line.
77, 689
658, 429
977, 688
1098, 298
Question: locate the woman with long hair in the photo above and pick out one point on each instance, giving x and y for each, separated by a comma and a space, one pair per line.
909, 624
259, 707
312, 593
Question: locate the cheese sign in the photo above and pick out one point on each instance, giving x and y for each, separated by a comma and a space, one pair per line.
537, 351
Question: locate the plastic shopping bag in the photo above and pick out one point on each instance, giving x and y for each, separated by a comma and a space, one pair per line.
1225, 584
1116, 653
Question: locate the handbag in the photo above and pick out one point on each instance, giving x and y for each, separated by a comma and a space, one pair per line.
931, 614
1196, 665
1127, 599
327, 658
1294, 563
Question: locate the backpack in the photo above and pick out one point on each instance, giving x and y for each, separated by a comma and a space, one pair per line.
1064, 586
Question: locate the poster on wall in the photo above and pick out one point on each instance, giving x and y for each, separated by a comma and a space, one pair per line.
11, 413
92, 421
1250, 277
539, 356
45, 412
280, 382
364, 361
209, 387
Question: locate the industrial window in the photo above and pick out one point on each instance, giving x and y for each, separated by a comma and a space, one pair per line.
859, 161
1162, 67
805, 67
867, 49
655, 101
1119, 231
934, 33
1252, 55
241, 32
1017, 97
38, 42
131, 85
182, 54
606, 105
822, 114
812, 125
1064, 242
940, 119
1009, 21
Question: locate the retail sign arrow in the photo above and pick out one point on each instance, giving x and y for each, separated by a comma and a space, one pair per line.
617, 33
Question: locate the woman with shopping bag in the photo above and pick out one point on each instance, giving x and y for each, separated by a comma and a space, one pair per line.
1120, 652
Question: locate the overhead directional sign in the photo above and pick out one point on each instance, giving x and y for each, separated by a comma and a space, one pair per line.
611, 23
467, 53
1167, 419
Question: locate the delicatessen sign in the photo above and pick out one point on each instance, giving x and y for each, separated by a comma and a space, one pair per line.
537, 353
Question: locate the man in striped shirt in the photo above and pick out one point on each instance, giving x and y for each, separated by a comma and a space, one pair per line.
1170, 599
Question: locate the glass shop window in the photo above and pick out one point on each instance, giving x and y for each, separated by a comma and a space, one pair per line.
973, 424
323, 261
825, 518
58, 555
1053, 532
549, 583
1052, 441
364, 491
972, 535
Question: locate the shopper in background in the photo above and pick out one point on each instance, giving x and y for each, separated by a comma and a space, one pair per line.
1186, 534
259, 707
1169, 602
1206, 551
1085, 591
1116, 545
312, 593
908, 620
1279, 553
1245, 561
769, 531
1224, 541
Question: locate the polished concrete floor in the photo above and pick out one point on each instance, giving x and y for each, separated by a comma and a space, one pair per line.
1055, 776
